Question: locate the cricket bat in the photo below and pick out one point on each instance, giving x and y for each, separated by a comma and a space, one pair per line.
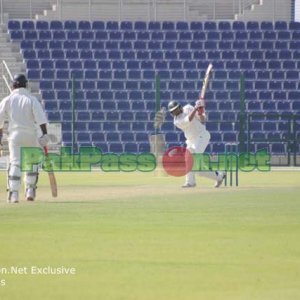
51, 176
205, 85
205, 81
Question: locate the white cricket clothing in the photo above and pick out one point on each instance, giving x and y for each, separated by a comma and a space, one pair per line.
22, 110
24, 113
197, 139
192, 129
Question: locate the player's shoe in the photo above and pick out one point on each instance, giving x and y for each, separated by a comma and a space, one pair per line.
220, 178
188, 185
30, 194
13, 197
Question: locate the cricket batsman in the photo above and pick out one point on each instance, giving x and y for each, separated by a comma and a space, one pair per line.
191, 120
24, 114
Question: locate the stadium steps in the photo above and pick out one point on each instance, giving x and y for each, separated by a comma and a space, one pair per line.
21, 9
265, 11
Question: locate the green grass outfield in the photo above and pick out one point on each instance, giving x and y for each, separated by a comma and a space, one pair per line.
137, 236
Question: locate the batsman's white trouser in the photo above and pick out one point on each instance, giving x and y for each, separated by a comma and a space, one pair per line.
198, 146
17, 140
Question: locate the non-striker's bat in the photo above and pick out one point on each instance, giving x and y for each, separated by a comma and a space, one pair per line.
51, 175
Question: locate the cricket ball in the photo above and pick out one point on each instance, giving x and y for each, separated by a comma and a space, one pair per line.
177, 161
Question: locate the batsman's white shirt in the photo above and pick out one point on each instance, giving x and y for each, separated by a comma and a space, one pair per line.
22, 110
194, 131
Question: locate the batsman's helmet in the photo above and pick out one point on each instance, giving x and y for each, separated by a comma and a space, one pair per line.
173, 105
19, 80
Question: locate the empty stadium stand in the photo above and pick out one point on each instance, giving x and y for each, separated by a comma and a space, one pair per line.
114, 65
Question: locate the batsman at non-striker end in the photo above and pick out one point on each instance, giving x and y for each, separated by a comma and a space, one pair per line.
25, 115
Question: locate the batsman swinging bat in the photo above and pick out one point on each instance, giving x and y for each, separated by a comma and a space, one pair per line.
205, 80
51, 176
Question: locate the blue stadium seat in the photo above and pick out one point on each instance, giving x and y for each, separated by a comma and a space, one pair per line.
91, 74
292, 75
127, 136
182, 26
110, 106
143, 35
94, 105
33, 64
55, 45
98, 25
266, 25
44, 35
97, 116
268, 105
281, 25
96, 136
255, 35
40, 44
90, 64
140, 55
283, 105
140, 26
115, 35
70, 25
154, 26
252, 25
238, 45
283, 35
139, 126
238, 26
83, 137
270, 35
30, 35
28, 25
213, 35
130, 147
116, 148
54, 117
125, 25
112, 25
129, 35
56, 25
112, 137
166, 25
144, 147
294, 26
118, 74
83, 116
13, 25
157, 35
142, 137
141, 116
269, 126
101, 35
241, 35
199, 35
280, 45
296, 105
59, 85
229, 137
33, 74
168, 45
227, 35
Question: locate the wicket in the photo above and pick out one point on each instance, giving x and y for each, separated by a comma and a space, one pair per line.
232, 154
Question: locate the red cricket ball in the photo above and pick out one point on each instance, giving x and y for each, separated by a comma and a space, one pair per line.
177, 161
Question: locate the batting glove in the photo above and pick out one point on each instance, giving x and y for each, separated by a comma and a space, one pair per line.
200, 103
159, 118
44, 140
